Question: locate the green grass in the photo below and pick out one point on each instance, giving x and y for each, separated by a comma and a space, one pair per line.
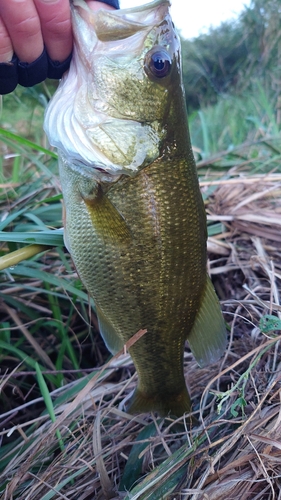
237, 120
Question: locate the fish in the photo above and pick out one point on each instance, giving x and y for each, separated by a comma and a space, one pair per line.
135, 223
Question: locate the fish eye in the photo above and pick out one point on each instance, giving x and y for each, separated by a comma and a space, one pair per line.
158, 63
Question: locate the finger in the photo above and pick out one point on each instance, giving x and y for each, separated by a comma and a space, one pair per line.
6, 48
23, 25
56, 27
8, 72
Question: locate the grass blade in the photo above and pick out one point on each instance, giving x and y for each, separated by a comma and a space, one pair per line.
48, 401
52, 238
14, 258
25, 142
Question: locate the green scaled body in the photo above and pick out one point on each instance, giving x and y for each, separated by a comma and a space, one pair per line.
135, 221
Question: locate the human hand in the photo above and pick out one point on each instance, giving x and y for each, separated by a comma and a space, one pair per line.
36, 40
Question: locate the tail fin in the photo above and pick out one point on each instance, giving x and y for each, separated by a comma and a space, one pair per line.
174, 405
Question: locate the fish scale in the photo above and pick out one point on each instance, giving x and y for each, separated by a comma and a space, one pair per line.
135, 222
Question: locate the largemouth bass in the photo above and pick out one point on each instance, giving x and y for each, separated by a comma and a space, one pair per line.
135, 222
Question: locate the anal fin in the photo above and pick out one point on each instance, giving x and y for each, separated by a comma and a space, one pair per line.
207, 339
112, 341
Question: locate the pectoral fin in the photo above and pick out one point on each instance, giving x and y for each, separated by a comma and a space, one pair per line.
106, 219
113, 343
207, 339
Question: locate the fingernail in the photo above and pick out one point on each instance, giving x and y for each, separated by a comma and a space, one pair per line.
6, 57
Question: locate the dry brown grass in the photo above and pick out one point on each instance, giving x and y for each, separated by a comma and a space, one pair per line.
234, 454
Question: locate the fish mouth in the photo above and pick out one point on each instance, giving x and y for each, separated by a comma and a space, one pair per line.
130, 12
117, 24
105, 115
